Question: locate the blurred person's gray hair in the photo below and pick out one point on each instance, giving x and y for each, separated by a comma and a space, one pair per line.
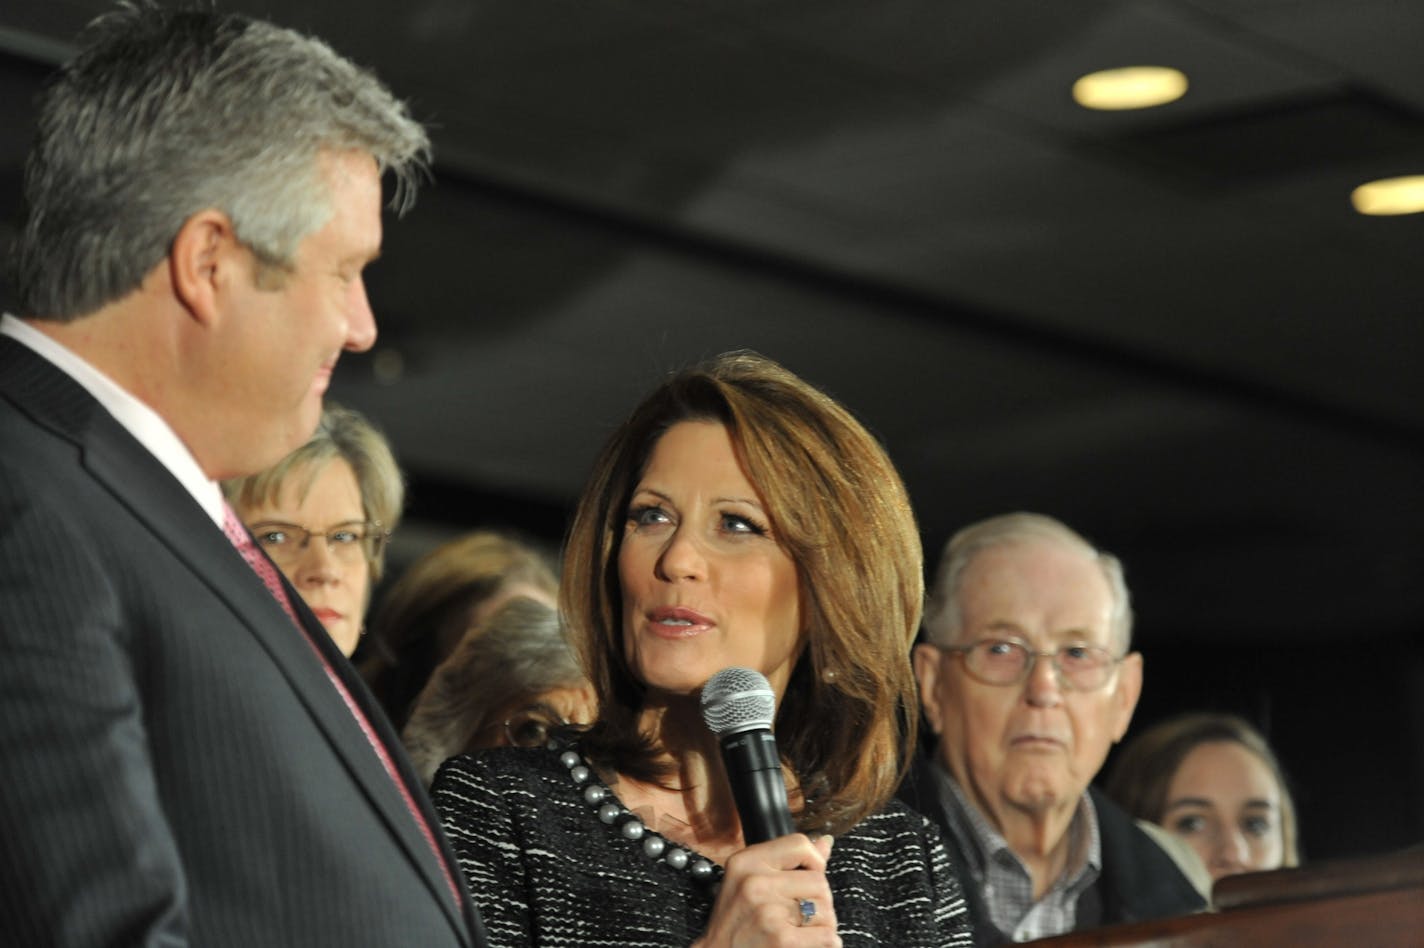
519, 652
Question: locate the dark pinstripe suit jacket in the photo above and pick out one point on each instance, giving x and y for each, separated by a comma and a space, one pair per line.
175, 767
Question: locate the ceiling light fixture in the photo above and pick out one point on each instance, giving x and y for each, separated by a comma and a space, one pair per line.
1390, 196
1131, 87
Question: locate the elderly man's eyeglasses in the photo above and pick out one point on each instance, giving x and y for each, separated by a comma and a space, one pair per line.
348, 542
1010, 661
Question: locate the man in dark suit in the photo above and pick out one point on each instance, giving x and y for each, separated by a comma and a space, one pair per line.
185, 758
1027, 676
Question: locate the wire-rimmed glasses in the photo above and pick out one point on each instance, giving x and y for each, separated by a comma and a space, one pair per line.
348, 542
1006, 661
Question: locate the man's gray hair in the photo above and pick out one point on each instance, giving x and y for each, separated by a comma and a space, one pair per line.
943, 620
165, 113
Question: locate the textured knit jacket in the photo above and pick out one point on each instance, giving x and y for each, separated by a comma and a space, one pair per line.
547, 850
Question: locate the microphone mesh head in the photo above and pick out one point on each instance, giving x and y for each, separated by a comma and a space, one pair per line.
737, 699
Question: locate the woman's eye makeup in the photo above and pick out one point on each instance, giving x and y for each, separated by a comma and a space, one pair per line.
644, 515
1257, 825
738, 523
1188, 824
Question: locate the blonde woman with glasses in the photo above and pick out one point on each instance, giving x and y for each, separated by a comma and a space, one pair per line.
323, 514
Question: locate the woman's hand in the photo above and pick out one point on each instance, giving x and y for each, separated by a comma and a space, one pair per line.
775, 893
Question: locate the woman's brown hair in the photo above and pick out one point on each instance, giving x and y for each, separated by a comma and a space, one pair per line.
846, 724
1145, 766
425, 613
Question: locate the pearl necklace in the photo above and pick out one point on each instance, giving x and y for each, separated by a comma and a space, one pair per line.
613, 813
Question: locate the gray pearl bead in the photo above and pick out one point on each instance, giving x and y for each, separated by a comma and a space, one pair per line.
610, 812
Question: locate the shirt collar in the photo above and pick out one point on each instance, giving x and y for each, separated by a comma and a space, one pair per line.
980, 841
141, 421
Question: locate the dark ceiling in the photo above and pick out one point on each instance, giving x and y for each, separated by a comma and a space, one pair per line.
1167, 327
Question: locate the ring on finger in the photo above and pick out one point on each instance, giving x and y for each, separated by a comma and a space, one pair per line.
807, 908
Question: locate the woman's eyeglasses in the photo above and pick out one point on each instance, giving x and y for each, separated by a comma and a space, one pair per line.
348, 542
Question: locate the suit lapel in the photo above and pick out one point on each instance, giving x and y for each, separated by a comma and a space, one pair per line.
361, 694
143, 485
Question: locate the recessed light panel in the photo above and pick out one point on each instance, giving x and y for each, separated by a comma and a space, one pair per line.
1131, 87
1390, 196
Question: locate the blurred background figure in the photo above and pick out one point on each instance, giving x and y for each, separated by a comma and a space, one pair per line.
426, 612
512, 681
324, 514
1213, 780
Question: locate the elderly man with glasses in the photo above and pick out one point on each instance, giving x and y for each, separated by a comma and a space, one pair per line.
1027, 678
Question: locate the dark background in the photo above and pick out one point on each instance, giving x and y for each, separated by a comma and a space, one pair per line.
1166, 327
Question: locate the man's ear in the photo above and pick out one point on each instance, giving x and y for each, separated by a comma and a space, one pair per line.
926, 659
1129, 689
205, 253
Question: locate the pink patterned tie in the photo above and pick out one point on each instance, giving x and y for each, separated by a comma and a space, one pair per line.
239, 537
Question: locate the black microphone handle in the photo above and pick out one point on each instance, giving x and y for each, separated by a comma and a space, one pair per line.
758, 788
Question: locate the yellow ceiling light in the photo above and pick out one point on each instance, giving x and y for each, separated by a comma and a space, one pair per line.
1389, 196
1131, 87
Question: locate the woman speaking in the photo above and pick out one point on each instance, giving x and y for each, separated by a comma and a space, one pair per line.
739, 518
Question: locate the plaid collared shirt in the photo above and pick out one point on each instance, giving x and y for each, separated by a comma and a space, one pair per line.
1001, 877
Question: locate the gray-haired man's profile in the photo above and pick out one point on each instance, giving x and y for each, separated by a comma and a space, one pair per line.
184, 756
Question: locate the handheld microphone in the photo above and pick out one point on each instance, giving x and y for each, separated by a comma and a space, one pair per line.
738, 706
